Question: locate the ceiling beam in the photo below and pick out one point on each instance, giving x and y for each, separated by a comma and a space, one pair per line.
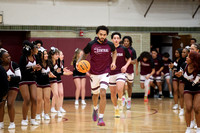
148, 8
196, 11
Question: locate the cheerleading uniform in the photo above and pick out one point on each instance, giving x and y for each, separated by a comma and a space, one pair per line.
15, 74
27, 72
76, 73
3, 83
176, 68
188, 79
43, 77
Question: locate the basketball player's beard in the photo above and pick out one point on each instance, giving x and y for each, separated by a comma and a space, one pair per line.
100, 40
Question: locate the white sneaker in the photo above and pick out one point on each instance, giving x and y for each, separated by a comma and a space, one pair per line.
53, 110
181, 113
195, 126
198, 130
42, 114
192, 124
59, 114
38, 117
175, 107
46, 117
76, 102
83, 102
1, 125
11, 126
34, 123
62, 110
188, 130
24, 123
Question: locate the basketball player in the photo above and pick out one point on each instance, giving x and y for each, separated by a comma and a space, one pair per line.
166, 62
147, 69
158, 69
117, 77
27, 84
14, 75
100, 50
127, 42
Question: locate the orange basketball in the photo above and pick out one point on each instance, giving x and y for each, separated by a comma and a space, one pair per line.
83, 66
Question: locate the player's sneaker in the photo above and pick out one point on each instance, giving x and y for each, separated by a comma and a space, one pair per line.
175, 107
95, 115
11, 126
181, 113
128, 105
159, 97
117, 114
146, 99
1, 125
188, 130
123, 101
101, 122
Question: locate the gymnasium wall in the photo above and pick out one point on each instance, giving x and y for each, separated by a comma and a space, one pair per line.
163, 13
141, 42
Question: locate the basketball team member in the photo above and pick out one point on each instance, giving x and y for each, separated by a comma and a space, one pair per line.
193, 41
100, 50
127, 42
165, 71
79, 78
27, 84
175, 68
189, 72
117, 77
43, 85
14, 75
158, 69
147, 69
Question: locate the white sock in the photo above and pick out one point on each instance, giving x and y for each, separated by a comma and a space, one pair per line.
116, 107
146, 89
160, 92
120, 99
100, 115
129, 99
95, 107
12, 123
170, 93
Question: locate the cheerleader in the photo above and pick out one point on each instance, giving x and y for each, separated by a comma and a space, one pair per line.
185, 53
14, 75
190, 71
79, 78
147, 69
175, 68
117, 77
27, 84
127, 42
57, 71
43, 85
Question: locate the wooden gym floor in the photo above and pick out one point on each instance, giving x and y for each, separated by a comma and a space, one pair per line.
153, 117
